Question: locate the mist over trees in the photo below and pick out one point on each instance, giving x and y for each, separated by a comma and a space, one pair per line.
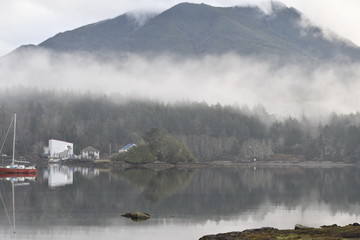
210, 132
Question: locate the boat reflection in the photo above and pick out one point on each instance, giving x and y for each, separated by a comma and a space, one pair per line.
21, 177
17, 180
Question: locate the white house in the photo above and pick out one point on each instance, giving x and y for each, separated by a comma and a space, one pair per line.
59, 149
90, 153
127, 147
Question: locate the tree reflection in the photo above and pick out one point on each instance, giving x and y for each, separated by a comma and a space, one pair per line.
200, 195
157, 185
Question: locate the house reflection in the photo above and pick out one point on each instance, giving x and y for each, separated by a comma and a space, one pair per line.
59, 175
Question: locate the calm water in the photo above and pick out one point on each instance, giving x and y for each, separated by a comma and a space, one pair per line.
82, 203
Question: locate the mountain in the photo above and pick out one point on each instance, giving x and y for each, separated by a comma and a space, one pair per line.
199, 29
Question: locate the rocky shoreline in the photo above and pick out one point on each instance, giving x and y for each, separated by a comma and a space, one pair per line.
332, 232
275, 161
119, 165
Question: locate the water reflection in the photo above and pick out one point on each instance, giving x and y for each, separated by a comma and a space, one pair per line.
157, 185
60, 175
25, 177
184, 203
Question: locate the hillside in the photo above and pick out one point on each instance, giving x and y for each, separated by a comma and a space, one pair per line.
199, 29
209, 132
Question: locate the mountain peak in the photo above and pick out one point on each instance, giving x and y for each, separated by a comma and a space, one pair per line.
189, 4
277, 6
200, 29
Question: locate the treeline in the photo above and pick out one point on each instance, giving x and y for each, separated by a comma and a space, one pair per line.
336, 140
210, 132
156, 146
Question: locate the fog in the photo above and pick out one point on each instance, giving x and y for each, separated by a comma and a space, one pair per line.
142, 16
283, 89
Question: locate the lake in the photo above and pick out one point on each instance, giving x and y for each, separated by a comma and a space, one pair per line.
83, 203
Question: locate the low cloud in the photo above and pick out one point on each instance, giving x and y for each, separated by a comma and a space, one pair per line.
142, 16
291, 89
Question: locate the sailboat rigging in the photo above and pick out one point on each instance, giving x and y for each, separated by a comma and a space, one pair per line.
16, 168
13, 184
13, 202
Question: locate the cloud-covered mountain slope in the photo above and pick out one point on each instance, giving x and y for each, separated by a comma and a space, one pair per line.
199, 29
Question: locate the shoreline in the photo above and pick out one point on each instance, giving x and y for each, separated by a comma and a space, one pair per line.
111, 165
276, 160
333, 232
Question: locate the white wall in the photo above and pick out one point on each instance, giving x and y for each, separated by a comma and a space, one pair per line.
56, 147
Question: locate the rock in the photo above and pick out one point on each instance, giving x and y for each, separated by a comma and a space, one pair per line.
299, 226
329, 226
138, 216
241, 235
224, 236
263, 229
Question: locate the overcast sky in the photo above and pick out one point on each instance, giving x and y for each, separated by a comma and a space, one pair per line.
33, 21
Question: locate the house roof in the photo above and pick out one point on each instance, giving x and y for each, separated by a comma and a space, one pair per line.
90, 149
127, 146
58, 141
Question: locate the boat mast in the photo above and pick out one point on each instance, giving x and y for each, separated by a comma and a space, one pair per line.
13, 155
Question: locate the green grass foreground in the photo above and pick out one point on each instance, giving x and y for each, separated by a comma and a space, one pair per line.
332, 232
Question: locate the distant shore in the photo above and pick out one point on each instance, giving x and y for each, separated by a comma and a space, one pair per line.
119, 165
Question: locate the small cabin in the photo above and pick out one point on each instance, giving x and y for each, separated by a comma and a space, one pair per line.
90, 153
127, 147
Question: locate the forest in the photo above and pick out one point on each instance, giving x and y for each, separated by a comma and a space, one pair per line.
210, 132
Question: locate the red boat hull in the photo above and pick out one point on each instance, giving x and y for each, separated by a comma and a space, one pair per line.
17, 175
17, 170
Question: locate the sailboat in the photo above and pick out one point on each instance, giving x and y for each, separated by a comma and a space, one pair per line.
16, 168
